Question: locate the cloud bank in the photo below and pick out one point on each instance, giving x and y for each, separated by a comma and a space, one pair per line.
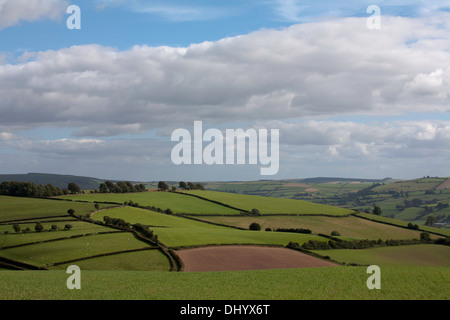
12, 12
299, 79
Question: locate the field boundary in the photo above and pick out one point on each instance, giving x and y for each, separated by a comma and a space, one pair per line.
102, 255
398, 225
154, 242
30, 220
210, 200
19, 265
60, 239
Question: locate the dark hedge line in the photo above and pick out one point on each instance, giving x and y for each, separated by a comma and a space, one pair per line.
213, 201
355, 244
294, 230
409, 226
102, 255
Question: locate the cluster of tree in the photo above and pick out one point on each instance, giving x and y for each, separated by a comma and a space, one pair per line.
120, 187
190, 186
142, 229
162, 186
30, 189
116, 222
131, 203
295, 230
157, 209
413, 226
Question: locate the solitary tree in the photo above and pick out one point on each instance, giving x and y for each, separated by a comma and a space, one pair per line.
183, 185
38, 227
103, 188
376, 210
16, 227
255, 226
430, 221
163, 186
425, 236
74, 188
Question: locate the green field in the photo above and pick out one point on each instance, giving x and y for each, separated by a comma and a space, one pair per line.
441, 231
351, 226
415, 255
147, 260
177, 231
267, 205
19, 208
409, 200
325, 283
48, 253
110, 258
79, 228
178, 203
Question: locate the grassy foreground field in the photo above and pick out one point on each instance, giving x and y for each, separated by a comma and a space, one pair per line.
325, 283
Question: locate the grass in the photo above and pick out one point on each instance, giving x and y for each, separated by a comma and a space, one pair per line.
178, 203
175, 231
267, 205
326, 283
441, 231
58, 251
79, 228
426, 255
19, 208
147, 260
347, 226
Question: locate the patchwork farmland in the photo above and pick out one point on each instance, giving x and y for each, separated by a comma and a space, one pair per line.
129, 236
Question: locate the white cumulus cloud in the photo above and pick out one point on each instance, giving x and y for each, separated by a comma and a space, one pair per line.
13, 12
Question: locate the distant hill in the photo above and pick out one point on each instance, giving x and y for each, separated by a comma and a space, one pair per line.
61, 181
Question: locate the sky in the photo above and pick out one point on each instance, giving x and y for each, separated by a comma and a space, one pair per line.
348, 100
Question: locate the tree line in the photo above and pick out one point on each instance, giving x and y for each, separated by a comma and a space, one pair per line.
163, 186
120, 187
30, 189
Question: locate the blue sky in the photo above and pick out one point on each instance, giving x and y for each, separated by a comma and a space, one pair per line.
123, 24
348, 101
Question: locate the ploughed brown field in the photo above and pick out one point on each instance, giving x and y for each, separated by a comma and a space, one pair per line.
227, 258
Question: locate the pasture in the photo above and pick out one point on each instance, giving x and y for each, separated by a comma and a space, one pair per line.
268, 205
424, 255
116, 258
350, 226
177, 231
324, 283
178, 203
